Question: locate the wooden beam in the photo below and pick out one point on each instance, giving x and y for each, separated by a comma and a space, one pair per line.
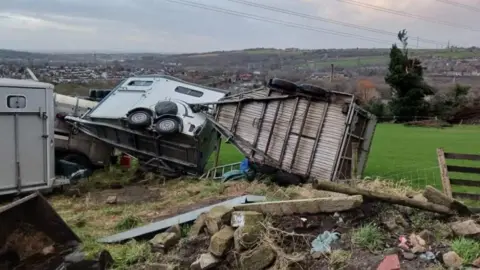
442, 164
379, 196
462, 156
463, 169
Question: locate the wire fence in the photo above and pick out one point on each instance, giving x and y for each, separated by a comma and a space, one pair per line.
415, 178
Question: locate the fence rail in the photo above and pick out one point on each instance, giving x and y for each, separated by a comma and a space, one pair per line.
447, 182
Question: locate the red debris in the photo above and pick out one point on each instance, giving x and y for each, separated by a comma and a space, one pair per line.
390, 262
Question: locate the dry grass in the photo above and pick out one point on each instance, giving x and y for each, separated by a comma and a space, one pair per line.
91, 218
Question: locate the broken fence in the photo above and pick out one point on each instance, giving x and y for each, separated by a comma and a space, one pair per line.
448, 182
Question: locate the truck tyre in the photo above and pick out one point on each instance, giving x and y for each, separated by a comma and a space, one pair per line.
313, 90
81, 160
283, 85
167, 125
282, 178
139, 119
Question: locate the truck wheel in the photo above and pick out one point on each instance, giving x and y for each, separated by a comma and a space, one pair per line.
313, 90
283, 85
139, 119
286, 179
82, 161
167, 125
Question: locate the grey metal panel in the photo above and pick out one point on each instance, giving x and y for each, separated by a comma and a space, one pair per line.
367, 142
31, 150
7, 148
180, 219
33, 128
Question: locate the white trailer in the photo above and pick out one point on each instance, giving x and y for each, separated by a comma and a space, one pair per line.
27, 136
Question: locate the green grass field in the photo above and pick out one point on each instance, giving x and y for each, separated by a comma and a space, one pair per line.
409, 153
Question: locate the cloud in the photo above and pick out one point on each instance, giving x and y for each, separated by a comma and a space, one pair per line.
164, 26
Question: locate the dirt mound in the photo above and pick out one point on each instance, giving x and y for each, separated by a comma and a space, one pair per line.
428, 123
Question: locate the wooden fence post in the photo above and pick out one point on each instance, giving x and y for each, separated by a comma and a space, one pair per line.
442, 164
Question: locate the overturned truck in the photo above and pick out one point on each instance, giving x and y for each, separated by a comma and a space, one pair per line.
301, 130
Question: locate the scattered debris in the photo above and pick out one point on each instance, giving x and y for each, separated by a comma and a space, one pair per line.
390, 262
217, 217
205, 261
221, 241
111, 199
323, 242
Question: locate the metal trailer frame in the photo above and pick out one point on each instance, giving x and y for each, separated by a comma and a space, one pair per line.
27, 145
355, 130
180, 153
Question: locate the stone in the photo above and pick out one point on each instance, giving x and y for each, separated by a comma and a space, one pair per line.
258, 258
217, 217
246, 218
205, 261
428, 236
304, 206
390, 262
465, 228
408, 256
111, 199
48, 250
394, 221
451, 259
246, 237
476, 262
164, 241
318, 255
416, 240
198, 226
221, 241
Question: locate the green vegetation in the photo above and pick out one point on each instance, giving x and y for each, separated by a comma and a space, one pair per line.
468, 249
368, 236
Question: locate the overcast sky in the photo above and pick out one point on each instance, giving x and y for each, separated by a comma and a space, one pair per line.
163, 26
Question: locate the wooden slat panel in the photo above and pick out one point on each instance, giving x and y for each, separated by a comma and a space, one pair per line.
329, 143
469, 196
463, 169
462, 156
245, 128
468, 183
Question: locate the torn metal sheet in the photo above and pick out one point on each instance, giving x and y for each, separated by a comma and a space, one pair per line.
180, 219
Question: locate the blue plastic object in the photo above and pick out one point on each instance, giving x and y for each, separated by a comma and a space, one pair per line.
232, 175
244, 165
323, 241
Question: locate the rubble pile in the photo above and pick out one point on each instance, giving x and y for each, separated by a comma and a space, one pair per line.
345, 232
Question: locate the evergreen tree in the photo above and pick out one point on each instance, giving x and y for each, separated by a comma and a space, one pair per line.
405, 77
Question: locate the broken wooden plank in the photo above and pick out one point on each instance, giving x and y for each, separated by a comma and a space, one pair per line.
433, 195
389, 198
305, 206
447, 187
462, 156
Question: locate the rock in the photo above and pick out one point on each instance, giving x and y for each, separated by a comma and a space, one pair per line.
205, 261
476, 263
111, 199
246, 218
465, 228
217, 217
304, 206
408, 256
258, 258
416, 240
428, 256
164, 241
198, 226
451, 259
394, 221
390, 262
221, 241
428, 236
246, 236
